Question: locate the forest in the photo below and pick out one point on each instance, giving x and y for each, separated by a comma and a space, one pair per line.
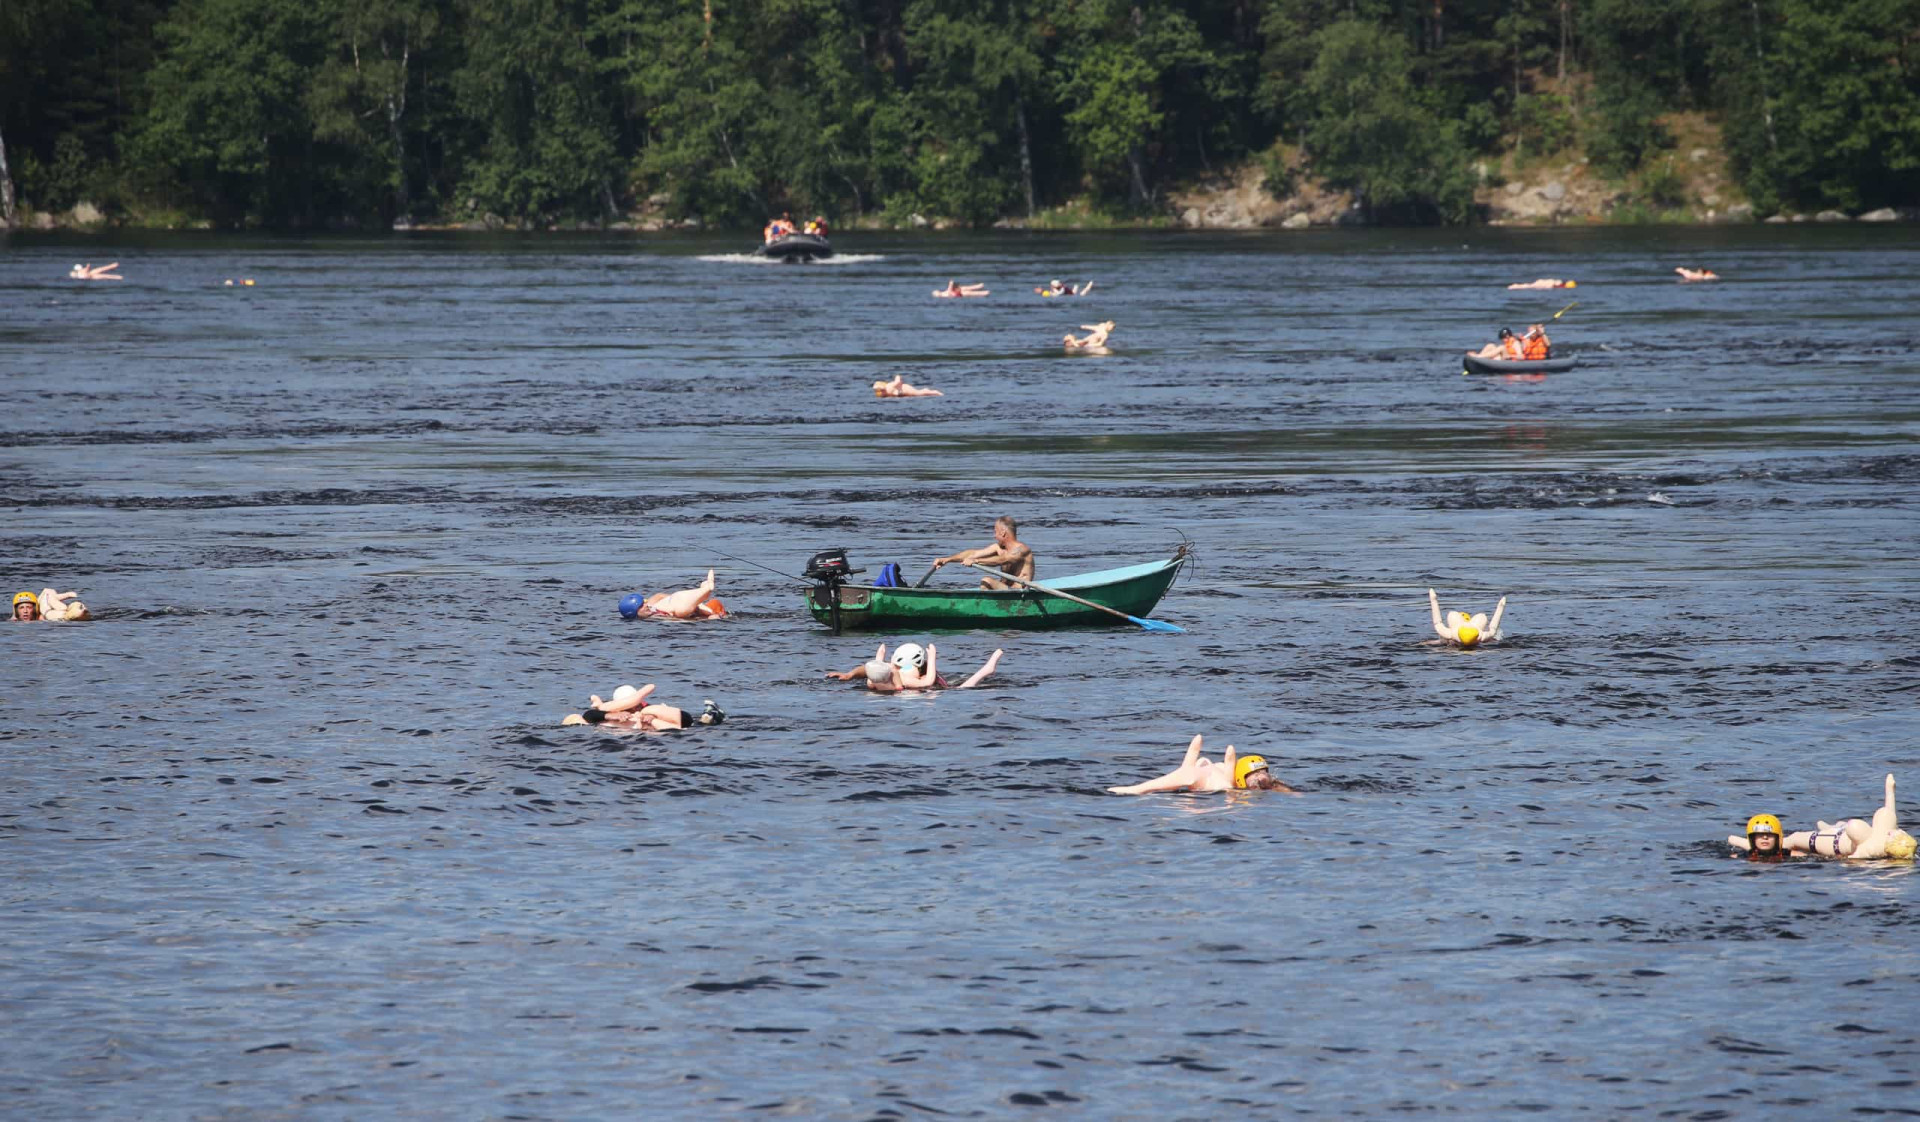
321, 113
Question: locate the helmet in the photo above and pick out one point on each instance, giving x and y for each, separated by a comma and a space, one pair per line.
1573, 284
1468, 634
630, 605
1245, 766
1763, 824
19, 596
910, 657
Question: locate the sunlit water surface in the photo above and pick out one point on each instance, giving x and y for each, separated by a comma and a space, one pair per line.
291, 830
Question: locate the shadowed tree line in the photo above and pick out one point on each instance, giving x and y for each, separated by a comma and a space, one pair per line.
309, 112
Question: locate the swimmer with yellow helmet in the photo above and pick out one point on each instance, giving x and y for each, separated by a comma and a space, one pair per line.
50, 605
1852, 839
1464, 630
911, 668
26, 607
1196, 773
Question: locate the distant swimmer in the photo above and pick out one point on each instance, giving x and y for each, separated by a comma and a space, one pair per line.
1196, 773
1853, 839
248, 283
955, 291
910, 668
900, 387
1464, 630
1546, 282
95, 272
691, 603
1696, 274
1507, 348
1055, 288
1094, 342
1007, 553
629, 710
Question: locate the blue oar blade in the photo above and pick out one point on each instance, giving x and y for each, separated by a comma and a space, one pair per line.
1157, 625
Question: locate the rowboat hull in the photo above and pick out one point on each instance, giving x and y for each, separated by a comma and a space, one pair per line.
1134, 589
1518, 365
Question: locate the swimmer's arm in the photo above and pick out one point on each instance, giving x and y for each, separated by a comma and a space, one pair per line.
1493, 629
638, 700
1433, 605
1738, 842
859, 671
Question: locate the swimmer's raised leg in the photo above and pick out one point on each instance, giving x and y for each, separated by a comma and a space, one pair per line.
1500, 609
980, 675
1191, 768
686, 603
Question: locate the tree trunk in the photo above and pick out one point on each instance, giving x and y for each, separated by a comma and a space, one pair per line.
396, 108
1760, 69
7, 216
1566, 24
1026, 151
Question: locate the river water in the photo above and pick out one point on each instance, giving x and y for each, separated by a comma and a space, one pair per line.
290, 831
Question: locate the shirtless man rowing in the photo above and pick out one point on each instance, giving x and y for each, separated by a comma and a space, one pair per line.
1007, 553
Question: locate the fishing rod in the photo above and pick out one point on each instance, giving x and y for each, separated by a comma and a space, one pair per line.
758, 565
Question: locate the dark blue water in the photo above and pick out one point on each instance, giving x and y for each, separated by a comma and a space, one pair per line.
291, 830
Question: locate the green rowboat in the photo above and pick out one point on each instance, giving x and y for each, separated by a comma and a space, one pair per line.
1134, 589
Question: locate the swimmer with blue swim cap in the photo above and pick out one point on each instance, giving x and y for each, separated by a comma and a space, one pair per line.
698, 602
1464, 630
1196, 773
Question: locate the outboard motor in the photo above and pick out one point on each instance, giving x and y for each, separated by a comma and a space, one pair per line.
829, 570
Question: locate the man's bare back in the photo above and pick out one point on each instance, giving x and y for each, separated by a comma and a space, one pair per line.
1007, 553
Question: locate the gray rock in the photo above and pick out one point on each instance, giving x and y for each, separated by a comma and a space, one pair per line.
1190, 217
1554, 191
1296, 222
1515, 187
1697, 154
1831, 216
1776, 219
917, 221
1884, 214
1711, 198
1740, 212
86, 214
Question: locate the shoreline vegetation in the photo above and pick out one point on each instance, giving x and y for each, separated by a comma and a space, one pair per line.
899, 114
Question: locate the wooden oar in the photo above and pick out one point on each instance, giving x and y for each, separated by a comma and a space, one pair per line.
1148, 624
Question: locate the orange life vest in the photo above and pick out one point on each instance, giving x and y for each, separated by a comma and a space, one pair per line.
1535, 347
1512, 347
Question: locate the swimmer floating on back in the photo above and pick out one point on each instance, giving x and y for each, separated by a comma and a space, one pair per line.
691, 603
1546, 282
910, 668
1055, 288
900, 387
1196, 773
1464, 630
1852, 839
95, 272
1696, 274
1095, 341
629, 710
958, 290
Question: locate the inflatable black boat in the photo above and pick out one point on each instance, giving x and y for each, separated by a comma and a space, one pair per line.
1517, 365
797, 249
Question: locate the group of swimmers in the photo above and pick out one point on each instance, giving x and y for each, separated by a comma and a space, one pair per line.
50, 606
782, 227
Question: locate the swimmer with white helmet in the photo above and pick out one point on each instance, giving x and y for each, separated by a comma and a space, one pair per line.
629, 710
95, 272
1196, 773
1853, 839
691, 603
910, 668
1464, 630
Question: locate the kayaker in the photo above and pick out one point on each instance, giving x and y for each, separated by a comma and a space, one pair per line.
1696, 274
629, 709
900, 387
1197, 773
1536, 345
910, 668
1507, 348
1852, 839
1546, 282
1463, 630
1094, 342
691, 603
1007, 553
